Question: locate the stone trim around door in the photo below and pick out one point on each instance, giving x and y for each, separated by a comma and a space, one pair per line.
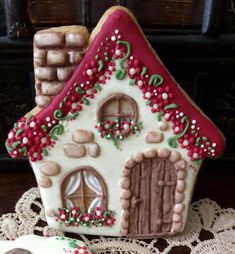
125, 183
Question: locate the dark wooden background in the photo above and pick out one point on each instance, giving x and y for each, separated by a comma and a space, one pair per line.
194, 38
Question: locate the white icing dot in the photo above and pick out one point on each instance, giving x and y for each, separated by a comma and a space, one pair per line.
132, 71
119, 36
113, 38
148, 95
82, 85
146, 76
213, 150
202, 146
118, 52
177, 116
164, 96
25, 140
74, 105
214, 144
194, 121
140, 82
87, 82
126, 126
62, 216
195, 155
35, 133
35, 154
131, 57
181, 114
205, 150
167, 115
185, 142
20, 125
198, 128
177, 112
15, 152
193, 127
43, 140
49, 125
110, 68
53, 121
10, 135
74, 212
89, 72
32, 124
116, 31
212, 154
155, 106
48, 119
177, 129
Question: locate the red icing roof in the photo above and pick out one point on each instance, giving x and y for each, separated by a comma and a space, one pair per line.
119, 38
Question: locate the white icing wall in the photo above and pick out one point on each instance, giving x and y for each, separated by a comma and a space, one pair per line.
111, 160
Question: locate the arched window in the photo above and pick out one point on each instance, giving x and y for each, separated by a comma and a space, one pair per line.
117, 106
84, 187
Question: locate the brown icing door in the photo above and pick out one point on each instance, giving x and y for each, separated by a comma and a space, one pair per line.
153, 185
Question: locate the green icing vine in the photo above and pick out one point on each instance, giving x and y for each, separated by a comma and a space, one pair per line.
155, 80
15, 144
121, 72
58, 114
170, 106
172, 140
44, 127
101, 65
45, 152
198, 141
56, 130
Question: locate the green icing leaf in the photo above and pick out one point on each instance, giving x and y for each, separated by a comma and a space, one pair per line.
101, 65
86, 101
23, 150
204, 138
156, 80
132, 82
44, 127
15, 144
8, 147
159, 116
198, 141
28, 118
79, 90
121, 72
198, 162
144, 69
98, 87
20, 131
170, 106
61, 104
148, 102
45, 152
73, 245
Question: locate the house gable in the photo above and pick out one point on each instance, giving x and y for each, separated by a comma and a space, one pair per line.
119, 38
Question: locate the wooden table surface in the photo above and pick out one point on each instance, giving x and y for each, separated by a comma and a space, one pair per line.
215, 182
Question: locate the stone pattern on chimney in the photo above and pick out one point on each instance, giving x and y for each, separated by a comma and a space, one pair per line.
57, 51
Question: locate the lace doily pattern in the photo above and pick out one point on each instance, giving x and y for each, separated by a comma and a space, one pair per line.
207, 221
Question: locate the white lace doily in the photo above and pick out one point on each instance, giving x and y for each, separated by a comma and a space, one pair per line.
207, 220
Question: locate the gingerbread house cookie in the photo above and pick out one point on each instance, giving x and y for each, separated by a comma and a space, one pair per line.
118, 151
33, 244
